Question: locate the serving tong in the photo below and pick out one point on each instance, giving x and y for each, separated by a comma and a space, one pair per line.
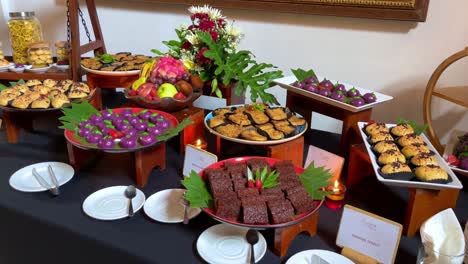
53, 189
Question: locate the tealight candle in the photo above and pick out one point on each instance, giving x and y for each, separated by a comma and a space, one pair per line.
200, 144
335, 200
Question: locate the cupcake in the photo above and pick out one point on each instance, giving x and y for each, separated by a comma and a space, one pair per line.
431, 173
410, 139
380, 136
391, 156
395, 167
402, 130
374, 128
414, 149
423, 159
383, 146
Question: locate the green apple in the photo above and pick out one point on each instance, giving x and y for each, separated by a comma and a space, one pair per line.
167, 90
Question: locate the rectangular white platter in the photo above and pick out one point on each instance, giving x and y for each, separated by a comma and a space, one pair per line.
455, 184
286, 82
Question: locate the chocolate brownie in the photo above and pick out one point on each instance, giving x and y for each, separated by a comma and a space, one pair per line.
286, 172
228, 208
238, 167
255, 213
225, 196
296, 189
281, 211
247, 192
272, 197
220, 186
290, 183
301, 202
284, 164
251, 199
235, 175
239, 184
276, 189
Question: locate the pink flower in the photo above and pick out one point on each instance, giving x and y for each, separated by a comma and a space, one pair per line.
201, 58
207, 25
214, 35
221, 22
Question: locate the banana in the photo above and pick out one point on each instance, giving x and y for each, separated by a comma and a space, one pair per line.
144, 74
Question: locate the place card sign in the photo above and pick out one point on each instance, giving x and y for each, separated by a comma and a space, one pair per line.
197, 159
369, 234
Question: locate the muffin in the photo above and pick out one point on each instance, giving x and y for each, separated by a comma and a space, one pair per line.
402, 130
424, 159
410, 139
375, 128
395, 167
383, 146
431, 173
414, 149
391, 156
380, 136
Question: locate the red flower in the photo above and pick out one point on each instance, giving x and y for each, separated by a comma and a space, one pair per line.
192, 27
201, 58
221, 22
214, 35
207, 25
200, 16
186, 45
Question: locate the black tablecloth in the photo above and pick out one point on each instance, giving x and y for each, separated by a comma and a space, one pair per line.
37, 228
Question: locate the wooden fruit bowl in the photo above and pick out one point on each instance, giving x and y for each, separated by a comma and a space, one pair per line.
166, 104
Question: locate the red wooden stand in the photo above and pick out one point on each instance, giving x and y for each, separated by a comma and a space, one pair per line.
284, 236
350, 133
422, 203
145, 160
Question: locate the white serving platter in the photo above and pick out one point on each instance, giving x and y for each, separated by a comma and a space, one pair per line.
6, 67
455, 184
453, 139
286, 82
112, 73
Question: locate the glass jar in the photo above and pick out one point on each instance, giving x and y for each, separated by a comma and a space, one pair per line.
39, 55
24, 29
62, 52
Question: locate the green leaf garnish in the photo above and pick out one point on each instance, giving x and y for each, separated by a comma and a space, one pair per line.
75, 114
197, 193
302, 74
315, 180
418, 129
270, 181
172, 132
105, 58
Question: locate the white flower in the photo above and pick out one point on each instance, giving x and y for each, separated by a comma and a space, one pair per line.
233, 31
192, 38
213, 13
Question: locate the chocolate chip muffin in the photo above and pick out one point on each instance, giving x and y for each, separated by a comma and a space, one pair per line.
383, 146
374, 128
422, 159
401, 130
395, 167
414, 149
380, 136
410, 139
391, 156
431, 173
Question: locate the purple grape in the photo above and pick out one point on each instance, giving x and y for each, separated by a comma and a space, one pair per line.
95, 119
141, 126
340, 87
126, 113
84, 132
128, 142
353, 92
145, 114
154, 130
186, 77
324, 92
337, 95
152, 79
117, 121
133, 120
358, 101
147, 139
101, 125
130, 132
369, 97
123, 126
154, 118
295, 84
172, 80
106, 143
93, 138
163, 124
327, 84
463, 163
302, 85
311, 87
84, 124
158, 81
107, 114
311, 79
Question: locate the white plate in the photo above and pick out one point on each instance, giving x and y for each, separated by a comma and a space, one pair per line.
305, 257
165, 206
37, 70
455, 184
112, 73
453, 139
13, 69
61, 67
23, 180
226, 244
286, 82
6, 67
111, 204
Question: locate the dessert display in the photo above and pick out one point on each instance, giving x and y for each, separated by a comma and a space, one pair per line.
255, 123
257, 191
165, 83
35, 94
459, 157
62, 52
24, 30
402, 154
39, 55
119, 62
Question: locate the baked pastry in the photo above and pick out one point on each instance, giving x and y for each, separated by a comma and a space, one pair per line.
41, 89
49, 82
395, 167
422, 159
431, 173
401, 130
7, 97
296, 121
33, 82
414, 149
4, 62
76, 94
380, 136
239, 118
409, 140
374, 128
276, 113
25, 100
42, 102
59, 100
252, 134
391, 156
216, 121
383, 146
257, 116
229, 130
23, 88
80, 86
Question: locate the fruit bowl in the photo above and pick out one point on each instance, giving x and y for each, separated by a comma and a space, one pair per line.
167, 104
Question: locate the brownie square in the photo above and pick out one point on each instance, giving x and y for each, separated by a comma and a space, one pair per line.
273, 197
235, 175
286, 172
255, 213
215, 173
228, 208
224, 196
235, 166
251, 199
288, 184
239, 184
296, 189
301, 202
284, 164
281, 211
220, 186
276, 189
247, 192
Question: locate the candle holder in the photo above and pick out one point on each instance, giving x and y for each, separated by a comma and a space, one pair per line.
200, 144
335, 200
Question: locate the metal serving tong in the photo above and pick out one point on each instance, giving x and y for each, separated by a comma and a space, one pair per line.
52, 189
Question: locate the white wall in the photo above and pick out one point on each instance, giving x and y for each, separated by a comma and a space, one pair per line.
393, 57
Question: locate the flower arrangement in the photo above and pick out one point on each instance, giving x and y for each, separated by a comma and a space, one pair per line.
208, 47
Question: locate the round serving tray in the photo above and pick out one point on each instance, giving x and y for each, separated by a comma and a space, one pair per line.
82, 144
271, 162
166, 104
50, 109
302, 130
112, 73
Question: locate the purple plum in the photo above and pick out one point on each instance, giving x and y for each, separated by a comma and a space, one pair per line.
337, 95
147, 139
126, 113
130, 132
93, 138
369, 97
84, 132
84, 124
133, 120
311, 87
101, 125
141, 126
340, 87
105, 131
108, 114
154, 118
353, 92
155, 131
106, 143
145, 114
117, 121
95, 119
357, 101
123, 126
324, 92
327, 84
163, 124
311, 79
295, 84
128, 142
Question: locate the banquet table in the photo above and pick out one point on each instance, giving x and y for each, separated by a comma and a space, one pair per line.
39, 228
